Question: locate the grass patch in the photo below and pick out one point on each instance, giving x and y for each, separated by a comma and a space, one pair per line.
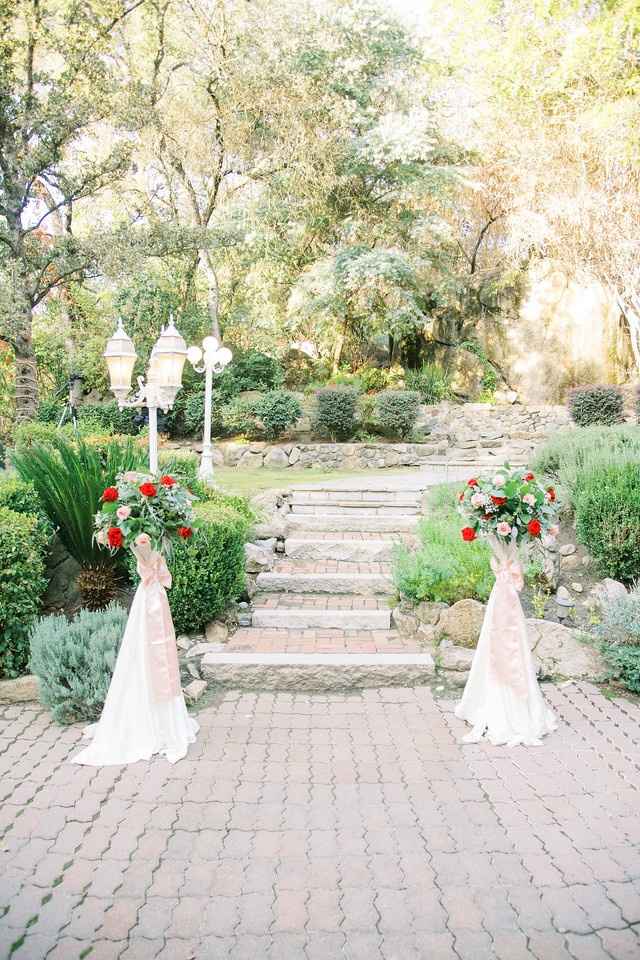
248, 483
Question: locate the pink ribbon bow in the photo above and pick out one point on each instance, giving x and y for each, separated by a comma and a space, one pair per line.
159, 633
507, 627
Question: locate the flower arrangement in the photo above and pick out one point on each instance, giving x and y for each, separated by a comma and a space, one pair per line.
141, 509
512, 506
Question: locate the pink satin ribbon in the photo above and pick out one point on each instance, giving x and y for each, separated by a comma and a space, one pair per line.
508, 627
159, 632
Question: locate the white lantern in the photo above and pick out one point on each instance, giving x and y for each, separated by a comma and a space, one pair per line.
120, 355
224, 356
166, 363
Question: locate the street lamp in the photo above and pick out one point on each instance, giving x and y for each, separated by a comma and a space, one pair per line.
210, 359
164, 376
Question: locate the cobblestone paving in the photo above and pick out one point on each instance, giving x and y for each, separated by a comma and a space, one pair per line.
317, 827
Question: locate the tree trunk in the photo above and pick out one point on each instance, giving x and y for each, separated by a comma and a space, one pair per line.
337, 353
26, 371
213, 293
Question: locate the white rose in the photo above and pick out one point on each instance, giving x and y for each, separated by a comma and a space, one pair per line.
498, 480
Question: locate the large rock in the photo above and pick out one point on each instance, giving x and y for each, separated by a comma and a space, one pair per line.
258, 559
276, 458
608, 590
461, 623
562, 655
217, 632
430, 612
21, 690
457, 659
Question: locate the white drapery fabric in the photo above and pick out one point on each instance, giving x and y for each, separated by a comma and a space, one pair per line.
144, 712
502, 700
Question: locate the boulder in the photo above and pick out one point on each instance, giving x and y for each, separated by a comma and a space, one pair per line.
405, 623
275, 527
21, 690
567, 549
608, 590
429, 612
562, 655
458, 659
258, 559
217, 632
461, 623
294, 456
194, 690
251, 460
564, 598
276, 458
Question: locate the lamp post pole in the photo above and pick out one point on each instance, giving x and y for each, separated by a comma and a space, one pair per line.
209, 359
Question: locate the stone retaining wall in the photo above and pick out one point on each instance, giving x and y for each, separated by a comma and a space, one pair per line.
468, 433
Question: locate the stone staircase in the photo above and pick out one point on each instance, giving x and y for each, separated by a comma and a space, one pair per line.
322, 615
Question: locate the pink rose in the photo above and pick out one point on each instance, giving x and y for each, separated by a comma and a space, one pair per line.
504, 529
101, 538
123, 513
530, 499
498, 480
477, 499
142, 540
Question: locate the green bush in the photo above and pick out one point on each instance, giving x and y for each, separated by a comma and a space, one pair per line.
607, 509
336, 413
50, 410
443, 568
619, 632
249, 370
239, 418
595, 404
374, 379
21, 497
22, 585
396, 412
430, 381
31, 432
208, 570
181, 464
74, 661
277, 410
109, 416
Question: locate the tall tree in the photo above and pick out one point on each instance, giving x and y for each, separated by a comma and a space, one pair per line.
58, 85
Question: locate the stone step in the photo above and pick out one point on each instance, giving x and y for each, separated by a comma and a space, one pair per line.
293, 566
365, 508
338, 522
316, 617
316, 671
361, 584
358, 551
410, 498
308, 640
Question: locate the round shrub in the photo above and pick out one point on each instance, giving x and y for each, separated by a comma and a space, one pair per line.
238, 417
108, 416
396, 412
208, 570
250, 370
336, 413
277, 410
607, 508
74, 661
22, 585
21, 497
595, 404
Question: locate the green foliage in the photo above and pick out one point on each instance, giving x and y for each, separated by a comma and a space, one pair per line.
31, 432
607, 509
443, 568
181, 464
21, 497
595, 404
374, 379
277, 410
619, 633
208, 570
396, 412
69, 478
108, 416
74, 661
22, 585
572, 454
431, 381
50, 410
250, 370
336, 413
238, 417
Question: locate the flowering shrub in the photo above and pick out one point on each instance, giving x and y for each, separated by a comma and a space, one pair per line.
138, 505
512, 506
595, 404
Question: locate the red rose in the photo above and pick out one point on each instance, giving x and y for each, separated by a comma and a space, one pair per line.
185, 532
461, 496
499, 501
110, 495
167, 481
148, 489
551, 494
468, 534
528, 477
472, 483
114, 537
534, 528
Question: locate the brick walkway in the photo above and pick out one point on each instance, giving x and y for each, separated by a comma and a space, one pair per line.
312, 826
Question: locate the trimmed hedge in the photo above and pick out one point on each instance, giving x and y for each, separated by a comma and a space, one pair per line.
336, 412
607, 508
21, 497
595, 404
22, 585
277, 410
208, 570
396, 412
74, 661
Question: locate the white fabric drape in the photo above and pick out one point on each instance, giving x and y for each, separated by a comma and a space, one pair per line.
502, 699
144, 712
